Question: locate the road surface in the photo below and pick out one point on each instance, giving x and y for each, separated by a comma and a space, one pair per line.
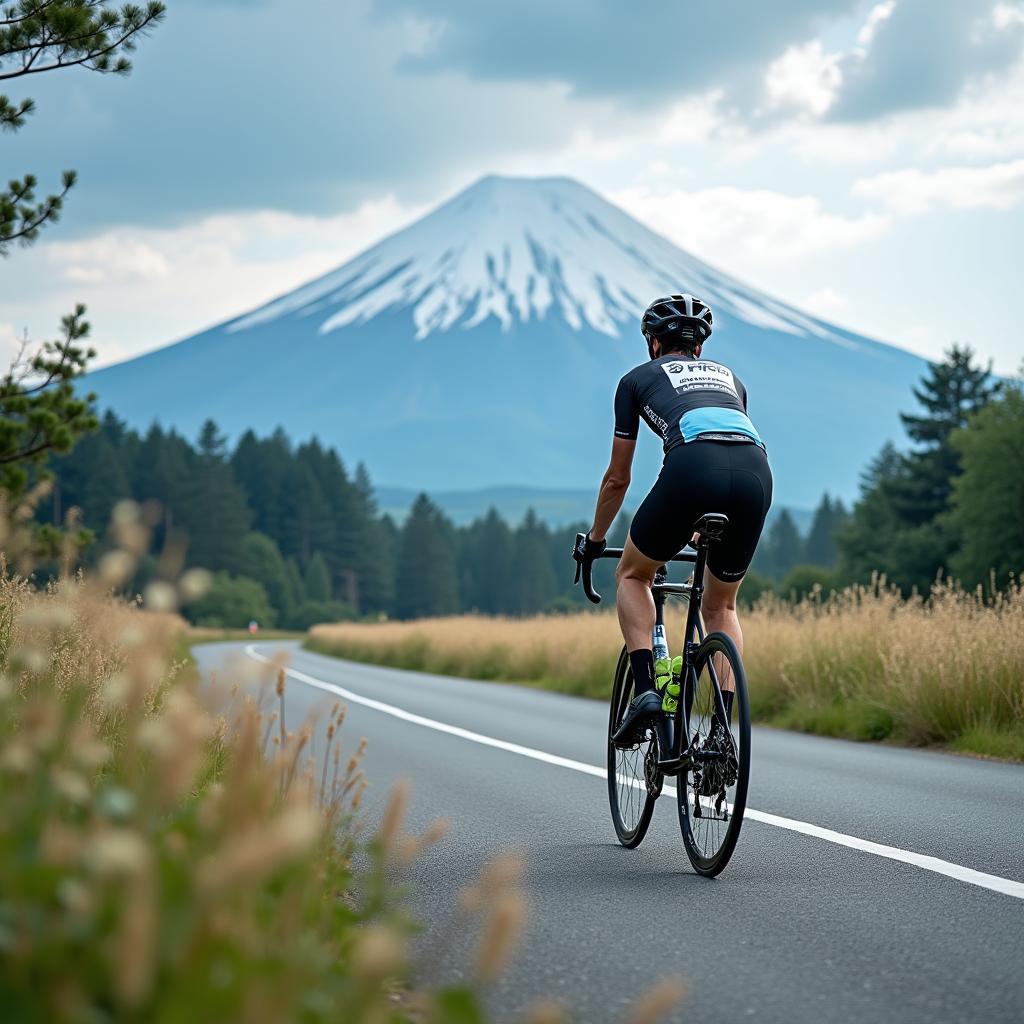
870, 883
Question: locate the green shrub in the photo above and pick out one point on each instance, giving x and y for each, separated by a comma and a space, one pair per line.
232, 602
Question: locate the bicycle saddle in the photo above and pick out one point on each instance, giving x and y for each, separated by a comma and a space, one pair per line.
712, 525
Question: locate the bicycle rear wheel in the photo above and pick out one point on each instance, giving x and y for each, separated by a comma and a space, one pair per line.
631, 803
712, 793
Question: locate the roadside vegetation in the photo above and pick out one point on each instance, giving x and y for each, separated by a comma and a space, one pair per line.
863, 663
172, 852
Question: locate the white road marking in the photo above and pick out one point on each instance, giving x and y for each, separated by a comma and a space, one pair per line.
1006, 886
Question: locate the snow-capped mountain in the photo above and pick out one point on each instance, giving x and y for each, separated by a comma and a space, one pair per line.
521, 250
482, 344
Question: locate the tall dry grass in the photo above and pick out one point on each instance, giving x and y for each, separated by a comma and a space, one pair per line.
571, 653
868, 664
863, 663
168, 857
161, 860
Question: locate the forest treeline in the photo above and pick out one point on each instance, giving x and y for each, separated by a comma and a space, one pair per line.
294, 537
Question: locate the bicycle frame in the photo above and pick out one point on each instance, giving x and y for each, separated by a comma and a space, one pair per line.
680, 757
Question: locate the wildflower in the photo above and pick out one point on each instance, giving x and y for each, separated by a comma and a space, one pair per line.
71, 786
657, 1001
18, 758
160, 596
391, 823
116, 851
256, 852
194, 584
75, 897
135, 940
47, 615
379, 953
546, 1011
116, 803
116, 568
60, 844
501, 934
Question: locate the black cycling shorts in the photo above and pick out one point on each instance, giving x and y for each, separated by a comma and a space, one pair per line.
701, 477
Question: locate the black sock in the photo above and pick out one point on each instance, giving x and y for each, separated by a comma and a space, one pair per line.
727, 696
642, 662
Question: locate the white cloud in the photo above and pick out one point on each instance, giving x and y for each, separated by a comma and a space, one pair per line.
1006, 15
114, 258
147, 286
804, 78
748, 231
911, 191
877, 14
11, 340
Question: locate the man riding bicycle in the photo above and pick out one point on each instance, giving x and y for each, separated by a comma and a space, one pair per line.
714, 461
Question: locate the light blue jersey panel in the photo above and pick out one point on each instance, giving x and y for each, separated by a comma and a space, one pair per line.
717, 421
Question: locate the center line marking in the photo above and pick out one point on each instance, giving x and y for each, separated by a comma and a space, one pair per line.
995, 883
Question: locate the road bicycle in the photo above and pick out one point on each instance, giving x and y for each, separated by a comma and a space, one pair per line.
697, 743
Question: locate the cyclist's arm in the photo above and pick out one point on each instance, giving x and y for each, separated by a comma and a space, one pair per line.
615, 482
614, 485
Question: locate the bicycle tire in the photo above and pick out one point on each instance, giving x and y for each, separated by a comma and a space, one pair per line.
632, 805
708, 844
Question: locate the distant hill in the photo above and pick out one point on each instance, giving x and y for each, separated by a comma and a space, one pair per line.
557, 508
480, 348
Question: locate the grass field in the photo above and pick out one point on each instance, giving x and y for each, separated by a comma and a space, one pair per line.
863, 664
170, 852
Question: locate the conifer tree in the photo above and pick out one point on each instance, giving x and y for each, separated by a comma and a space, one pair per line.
215, 517
427, 582
307, 525
377, 548
164, 475
533, 583
988, 496
951, 392
40, 36
40, 413
820, 546
901, 525
260, 466
781, 548
318, 579
262, 561
487, 556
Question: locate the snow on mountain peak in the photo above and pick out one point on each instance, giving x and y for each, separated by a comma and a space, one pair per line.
519, 249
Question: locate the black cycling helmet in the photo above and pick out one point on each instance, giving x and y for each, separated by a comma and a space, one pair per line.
677, 317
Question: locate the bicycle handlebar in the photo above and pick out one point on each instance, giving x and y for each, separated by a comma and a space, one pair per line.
584, 567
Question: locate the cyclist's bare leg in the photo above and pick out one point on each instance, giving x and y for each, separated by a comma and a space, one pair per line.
634, 601
718, 608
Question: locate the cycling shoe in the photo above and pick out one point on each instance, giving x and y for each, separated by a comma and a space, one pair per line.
638, 717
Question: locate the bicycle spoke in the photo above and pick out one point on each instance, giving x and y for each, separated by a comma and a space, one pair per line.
712, 792
631, 803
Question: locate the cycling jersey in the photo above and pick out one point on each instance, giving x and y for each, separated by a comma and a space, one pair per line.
684, 400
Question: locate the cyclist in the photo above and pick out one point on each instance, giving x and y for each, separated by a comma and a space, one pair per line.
715, 461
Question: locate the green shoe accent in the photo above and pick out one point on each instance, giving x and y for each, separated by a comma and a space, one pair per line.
670, 701
662, 673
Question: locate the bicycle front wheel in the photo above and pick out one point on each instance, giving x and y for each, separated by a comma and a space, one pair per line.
712, 792
631, 803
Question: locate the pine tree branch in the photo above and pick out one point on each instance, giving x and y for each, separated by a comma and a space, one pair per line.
28, 219
31, 12
87, 60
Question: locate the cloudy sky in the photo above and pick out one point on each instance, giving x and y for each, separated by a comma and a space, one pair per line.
864, 161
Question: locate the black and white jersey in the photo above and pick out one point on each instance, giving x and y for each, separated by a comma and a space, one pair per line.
683, 400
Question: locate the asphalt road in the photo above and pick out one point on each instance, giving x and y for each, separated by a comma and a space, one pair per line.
810, 922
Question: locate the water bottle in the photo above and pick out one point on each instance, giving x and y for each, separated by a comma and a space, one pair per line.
659, 643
